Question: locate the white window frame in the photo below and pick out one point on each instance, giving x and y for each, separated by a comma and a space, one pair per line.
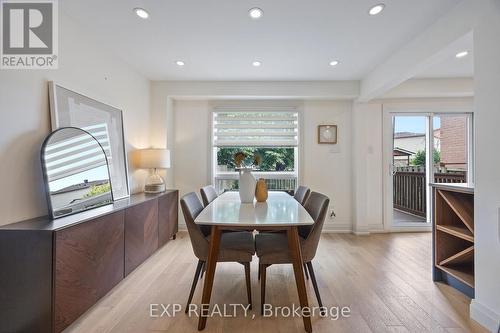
257, 106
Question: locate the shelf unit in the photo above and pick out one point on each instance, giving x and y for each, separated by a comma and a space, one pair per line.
454, 236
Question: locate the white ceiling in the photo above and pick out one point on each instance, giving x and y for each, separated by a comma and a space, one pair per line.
450, 66
295, 39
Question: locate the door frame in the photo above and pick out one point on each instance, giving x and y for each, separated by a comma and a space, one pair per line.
417, 109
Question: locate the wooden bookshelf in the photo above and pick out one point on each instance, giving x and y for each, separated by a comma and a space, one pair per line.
454, 236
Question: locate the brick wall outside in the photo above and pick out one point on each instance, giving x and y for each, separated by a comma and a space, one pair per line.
454, 142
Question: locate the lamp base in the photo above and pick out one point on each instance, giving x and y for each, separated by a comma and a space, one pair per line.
154, 188
154, 184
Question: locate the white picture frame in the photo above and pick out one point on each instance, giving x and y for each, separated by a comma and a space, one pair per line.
71, 109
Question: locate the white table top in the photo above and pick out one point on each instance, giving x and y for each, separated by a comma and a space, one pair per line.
280, 209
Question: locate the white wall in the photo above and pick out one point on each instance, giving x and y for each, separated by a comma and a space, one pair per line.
84, 66
367, 168
486, 306
327, 168
191, 155
324, 168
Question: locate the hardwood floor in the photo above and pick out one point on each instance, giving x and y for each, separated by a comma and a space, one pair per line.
385, 280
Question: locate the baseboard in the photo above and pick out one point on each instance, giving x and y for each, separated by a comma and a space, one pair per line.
337, 226
376, 228
484, 316
361, 233
337, 231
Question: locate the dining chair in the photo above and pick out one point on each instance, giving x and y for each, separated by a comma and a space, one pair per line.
272, 248
234, 246
208, 194
302, 194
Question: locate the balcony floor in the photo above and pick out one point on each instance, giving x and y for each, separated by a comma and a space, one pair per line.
402, 217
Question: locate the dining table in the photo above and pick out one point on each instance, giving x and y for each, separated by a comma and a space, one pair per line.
279, 212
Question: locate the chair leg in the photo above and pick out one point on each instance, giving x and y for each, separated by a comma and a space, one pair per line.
203, 267
195, 281
249, 287
262, 287
258, 272
315, 285
305, 271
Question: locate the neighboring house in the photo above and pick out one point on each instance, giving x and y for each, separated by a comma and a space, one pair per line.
454, 142
402, 156
413, 142
450, 140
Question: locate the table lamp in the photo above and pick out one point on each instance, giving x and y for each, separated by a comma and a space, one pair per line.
153, 159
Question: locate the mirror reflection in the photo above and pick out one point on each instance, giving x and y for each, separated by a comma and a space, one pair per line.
76, 172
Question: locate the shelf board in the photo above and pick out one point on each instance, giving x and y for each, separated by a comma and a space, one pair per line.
463, 273
463, 257
457, 231
462, 207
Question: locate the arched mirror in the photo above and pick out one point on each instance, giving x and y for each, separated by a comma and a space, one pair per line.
75, 171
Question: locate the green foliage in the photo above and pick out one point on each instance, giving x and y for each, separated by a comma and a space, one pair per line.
273, 159
98, 189
419, 159
436, 156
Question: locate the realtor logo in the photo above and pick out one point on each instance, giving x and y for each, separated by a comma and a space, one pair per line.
29, 34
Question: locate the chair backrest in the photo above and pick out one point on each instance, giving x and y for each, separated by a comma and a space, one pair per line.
208, 194
302, 194
317, 206
191, 208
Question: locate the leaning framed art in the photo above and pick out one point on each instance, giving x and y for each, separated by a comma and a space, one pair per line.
104, 122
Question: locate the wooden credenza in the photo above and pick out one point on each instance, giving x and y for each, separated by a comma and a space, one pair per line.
52, 271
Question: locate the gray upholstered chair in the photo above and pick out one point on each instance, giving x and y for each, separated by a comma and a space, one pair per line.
302, 194
234, 246
272, 248
208, 194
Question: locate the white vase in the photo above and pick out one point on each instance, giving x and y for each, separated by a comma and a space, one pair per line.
247, 185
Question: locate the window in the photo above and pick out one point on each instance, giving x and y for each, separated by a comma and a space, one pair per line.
271, 134
453, 138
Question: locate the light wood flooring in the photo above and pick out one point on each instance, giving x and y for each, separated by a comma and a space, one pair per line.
385, 279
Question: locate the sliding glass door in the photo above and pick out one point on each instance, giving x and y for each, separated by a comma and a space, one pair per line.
425, 148
409, 169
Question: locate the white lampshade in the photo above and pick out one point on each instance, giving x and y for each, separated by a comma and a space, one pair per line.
153, 158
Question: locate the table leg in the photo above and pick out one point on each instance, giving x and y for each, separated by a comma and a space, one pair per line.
298, 269
211, 263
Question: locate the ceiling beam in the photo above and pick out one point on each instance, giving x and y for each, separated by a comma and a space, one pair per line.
421, 53
432, 88
259, 89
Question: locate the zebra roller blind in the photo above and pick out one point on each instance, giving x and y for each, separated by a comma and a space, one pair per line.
273, 127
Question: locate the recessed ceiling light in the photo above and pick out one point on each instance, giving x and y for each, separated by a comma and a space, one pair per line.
255, 13
180, 63
141, 12
377, 9
334, 63
462, 54
256, 63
